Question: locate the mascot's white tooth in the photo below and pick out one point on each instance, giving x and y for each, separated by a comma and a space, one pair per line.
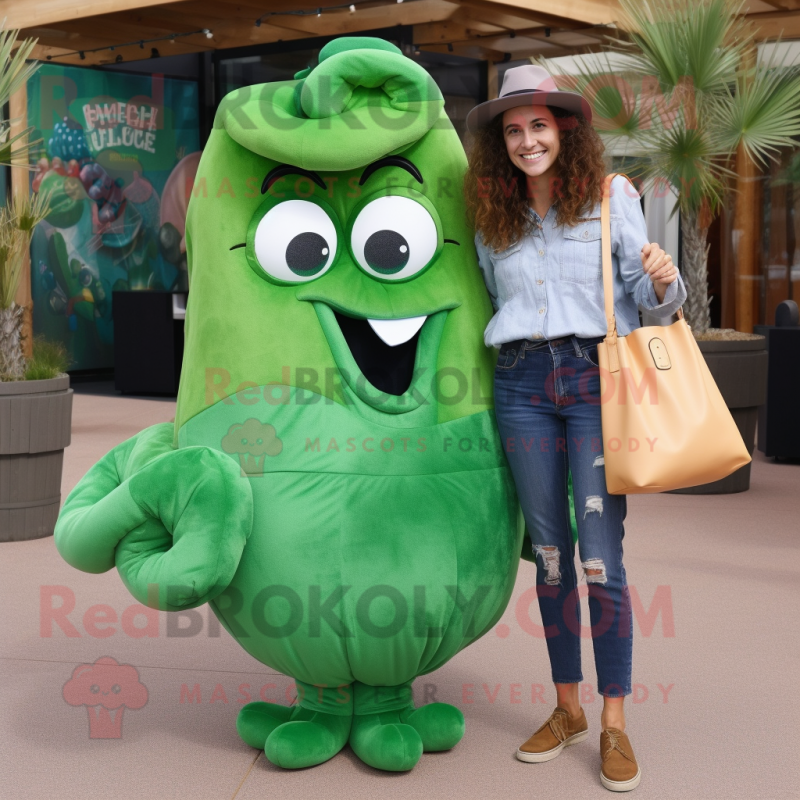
396, 331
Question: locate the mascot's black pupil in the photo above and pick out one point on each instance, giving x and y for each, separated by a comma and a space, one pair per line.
386, 252
307, 253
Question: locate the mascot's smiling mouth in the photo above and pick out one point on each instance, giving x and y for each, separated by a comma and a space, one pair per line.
390, 364
384, 350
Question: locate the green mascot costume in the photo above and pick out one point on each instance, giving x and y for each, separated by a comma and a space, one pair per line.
334, 485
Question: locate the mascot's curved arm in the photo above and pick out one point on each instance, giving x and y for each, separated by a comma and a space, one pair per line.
173, 522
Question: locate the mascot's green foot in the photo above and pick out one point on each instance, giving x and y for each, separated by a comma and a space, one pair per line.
256, 721
383, 741
439, 725
293, 737
389, 733
395, 740
307, 739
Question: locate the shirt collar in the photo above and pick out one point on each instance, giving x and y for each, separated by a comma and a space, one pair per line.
537, 220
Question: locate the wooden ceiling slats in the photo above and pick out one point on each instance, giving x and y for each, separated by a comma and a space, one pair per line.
479, 28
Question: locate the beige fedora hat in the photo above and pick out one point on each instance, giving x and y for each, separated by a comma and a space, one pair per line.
526, 86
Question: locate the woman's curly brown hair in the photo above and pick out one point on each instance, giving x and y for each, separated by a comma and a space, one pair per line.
496, 190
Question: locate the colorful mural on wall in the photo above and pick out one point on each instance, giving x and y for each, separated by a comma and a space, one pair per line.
118, 157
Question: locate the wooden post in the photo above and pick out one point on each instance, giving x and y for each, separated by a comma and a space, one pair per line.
20, 185
728, 252
492, 82
746, 230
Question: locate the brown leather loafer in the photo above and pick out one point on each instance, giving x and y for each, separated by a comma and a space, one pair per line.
620, 772
560, 731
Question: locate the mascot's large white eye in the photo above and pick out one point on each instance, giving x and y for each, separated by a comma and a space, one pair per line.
394, 238
295, 241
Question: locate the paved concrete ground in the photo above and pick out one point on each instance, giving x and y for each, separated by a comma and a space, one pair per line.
716, 669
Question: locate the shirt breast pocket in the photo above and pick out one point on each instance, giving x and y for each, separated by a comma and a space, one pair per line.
508, 271
581, 253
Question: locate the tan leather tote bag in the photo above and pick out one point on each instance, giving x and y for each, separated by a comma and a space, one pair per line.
665, 424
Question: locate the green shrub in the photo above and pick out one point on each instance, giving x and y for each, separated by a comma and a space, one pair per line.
50, 359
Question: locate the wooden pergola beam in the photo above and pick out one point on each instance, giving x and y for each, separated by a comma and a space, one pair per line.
570, 12
56, 54
430, 36
211, 13
96, 31
55, 43
231, 26
47, 12
450, 31
511, 11
343, 21
783, 5
774, 25
81, 26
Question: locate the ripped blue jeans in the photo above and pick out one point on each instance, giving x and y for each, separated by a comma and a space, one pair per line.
547, 401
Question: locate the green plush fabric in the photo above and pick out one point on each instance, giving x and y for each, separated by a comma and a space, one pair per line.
384, 741
307, 739
173, 522
355, 107
361, 499
258, 343
440, 726
351, 540
292, 736
389, 733
381, 724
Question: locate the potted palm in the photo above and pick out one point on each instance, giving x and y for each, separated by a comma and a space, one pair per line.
680, 94
35, 398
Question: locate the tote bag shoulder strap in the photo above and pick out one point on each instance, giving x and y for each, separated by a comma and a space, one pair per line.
608, 275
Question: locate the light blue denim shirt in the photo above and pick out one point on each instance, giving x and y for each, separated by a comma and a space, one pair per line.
549, 284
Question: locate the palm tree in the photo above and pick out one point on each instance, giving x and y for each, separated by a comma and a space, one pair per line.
682, 95
18, 218
17, 221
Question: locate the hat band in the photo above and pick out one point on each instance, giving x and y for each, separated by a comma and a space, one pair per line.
528, 91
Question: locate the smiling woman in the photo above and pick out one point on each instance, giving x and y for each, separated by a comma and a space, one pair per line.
534, 186
499, 204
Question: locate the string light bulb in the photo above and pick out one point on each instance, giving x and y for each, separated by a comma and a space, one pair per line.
311, 12
208, 33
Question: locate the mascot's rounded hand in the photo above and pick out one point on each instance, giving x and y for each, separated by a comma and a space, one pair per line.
173, 522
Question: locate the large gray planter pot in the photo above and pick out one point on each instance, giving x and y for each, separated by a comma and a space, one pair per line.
35, 425
740, 371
